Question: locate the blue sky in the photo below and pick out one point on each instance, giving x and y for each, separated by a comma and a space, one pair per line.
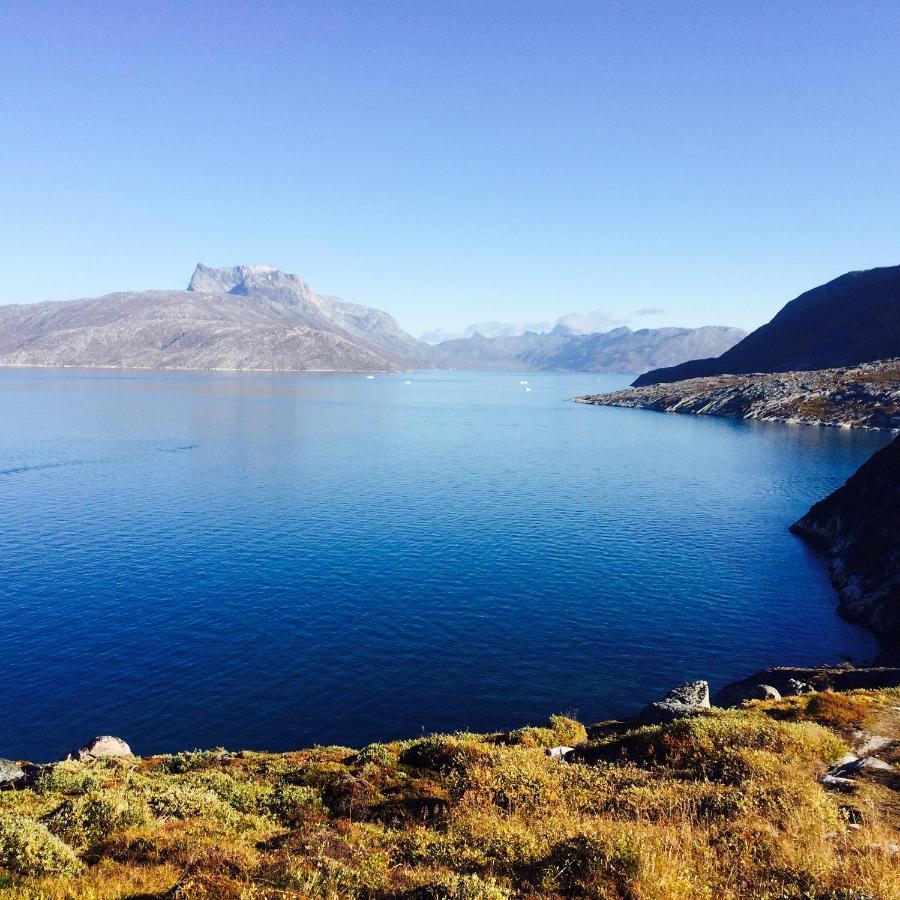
454, 162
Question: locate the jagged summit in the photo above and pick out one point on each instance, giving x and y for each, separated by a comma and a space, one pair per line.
243, 279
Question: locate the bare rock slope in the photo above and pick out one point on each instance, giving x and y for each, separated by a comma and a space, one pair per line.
859, 527
866, 396
853, 319
247, 317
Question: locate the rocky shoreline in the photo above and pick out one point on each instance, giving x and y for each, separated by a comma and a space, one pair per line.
863, 396
858, 526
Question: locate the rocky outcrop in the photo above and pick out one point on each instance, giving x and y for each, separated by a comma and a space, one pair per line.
853, 319
104, 747
680, 701
789, 681
859, 527
866, 396
11, 773
247, 317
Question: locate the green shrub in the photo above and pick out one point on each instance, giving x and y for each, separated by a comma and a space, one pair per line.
95, 816
69, 777
462, 887
568, 732
28, 848
292, 804
184, 800
192, 761
250, 797
532, 736
377, 754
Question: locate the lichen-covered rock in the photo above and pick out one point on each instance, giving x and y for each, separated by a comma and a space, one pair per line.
103, 747
796, 687
10, 772
686, 698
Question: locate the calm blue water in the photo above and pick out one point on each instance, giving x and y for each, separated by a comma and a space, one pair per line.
274, 561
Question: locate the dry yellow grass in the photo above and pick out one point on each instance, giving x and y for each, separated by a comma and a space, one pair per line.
721, 806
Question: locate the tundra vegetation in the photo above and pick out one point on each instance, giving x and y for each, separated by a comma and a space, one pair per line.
720, 804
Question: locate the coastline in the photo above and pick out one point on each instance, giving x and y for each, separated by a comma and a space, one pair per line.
865, 397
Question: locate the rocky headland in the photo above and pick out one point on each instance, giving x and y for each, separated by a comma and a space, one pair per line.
850, 320
863, 396
858, 526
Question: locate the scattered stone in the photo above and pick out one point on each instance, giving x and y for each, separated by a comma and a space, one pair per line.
790, 680
871, 743
686, 698
10, 773
104, 747
873, 762
559, 752
837, 783
796, 688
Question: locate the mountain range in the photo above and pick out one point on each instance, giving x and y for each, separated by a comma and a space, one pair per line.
853, 319
260, 318
619, 350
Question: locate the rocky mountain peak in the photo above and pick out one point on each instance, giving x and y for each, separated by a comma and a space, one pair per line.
238, 279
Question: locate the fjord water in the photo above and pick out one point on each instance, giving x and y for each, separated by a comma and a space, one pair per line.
269, 562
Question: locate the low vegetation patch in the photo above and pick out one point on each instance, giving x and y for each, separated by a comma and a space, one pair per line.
719, 805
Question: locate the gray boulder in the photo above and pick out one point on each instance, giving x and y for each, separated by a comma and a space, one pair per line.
103, 747
10, 773
795, 687
681, 700
754, 692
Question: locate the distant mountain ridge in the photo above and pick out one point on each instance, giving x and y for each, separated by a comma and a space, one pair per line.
619, 350
258, 318
853, 319
245, 317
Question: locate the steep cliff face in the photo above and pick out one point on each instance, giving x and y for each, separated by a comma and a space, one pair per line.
850, 320
859, 527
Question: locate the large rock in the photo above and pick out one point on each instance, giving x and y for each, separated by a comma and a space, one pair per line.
788, 681
10, 773
758, 692
104, 747
681, 700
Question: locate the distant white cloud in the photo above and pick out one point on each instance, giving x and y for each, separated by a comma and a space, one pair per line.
649, 311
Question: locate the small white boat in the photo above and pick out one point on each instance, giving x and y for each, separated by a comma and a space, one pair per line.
370, 377
523, 382
528, 389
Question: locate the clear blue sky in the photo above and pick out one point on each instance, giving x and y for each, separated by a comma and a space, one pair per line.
449, 161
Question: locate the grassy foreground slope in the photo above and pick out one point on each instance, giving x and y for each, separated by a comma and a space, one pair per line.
722, 804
